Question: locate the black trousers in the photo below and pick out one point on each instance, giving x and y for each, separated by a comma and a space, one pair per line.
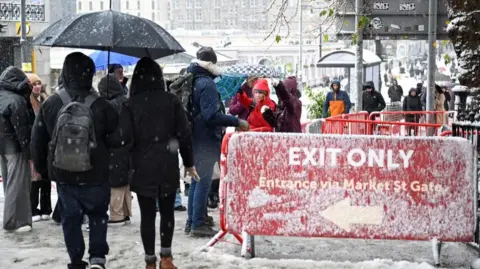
148, 215
41, 188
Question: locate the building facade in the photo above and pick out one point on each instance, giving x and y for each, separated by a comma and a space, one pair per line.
247, 15
155, 10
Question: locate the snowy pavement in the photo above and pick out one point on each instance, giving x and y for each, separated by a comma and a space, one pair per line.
44, 249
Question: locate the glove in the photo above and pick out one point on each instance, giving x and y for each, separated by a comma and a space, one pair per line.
264, 108
191, 171
275, 82
243, 125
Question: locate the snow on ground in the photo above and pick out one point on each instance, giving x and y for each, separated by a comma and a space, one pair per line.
44, 249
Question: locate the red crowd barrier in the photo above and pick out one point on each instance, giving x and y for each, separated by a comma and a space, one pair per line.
346, 187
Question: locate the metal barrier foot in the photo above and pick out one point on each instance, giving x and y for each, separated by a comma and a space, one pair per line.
215, 239
436, 248
248, 246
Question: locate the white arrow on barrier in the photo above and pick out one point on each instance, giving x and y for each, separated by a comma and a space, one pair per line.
343, 214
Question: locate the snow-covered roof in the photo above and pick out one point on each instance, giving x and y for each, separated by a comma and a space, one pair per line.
346, 58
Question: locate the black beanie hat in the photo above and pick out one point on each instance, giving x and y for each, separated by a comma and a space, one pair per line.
207, 54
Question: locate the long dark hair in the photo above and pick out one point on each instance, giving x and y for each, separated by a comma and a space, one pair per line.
147, 76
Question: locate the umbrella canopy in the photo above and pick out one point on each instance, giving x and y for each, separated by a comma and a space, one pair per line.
439, 77
110, 31
100, 58
257, 70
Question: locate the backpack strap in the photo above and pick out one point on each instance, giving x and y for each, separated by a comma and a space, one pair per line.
90, 99
64, 96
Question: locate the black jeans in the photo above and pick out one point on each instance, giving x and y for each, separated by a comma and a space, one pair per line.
42, 188
77, 201
148, 214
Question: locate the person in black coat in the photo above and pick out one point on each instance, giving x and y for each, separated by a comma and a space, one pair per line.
16, 119
161, 129
79, 192
395, 92
372, 100
120, 198
412, 103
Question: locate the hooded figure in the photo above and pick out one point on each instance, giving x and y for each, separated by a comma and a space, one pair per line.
395, 92
80, 193
38, 91
236, 108
337, 101
372, 100
16, 119
261, 93
289, 109
160, 130
412, 103
120, 198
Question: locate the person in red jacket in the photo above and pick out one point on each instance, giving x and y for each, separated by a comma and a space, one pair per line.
261, 99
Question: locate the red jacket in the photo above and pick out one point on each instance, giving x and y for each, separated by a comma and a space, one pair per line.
255, 119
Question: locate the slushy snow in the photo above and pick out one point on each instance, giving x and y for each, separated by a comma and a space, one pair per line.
44, 248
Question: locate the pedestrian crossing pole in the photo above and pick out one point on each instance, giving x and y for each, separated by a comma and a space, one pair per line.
359, 55
432, 40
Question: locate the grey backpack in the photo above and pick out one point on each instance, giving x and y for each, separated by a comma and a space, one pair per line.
74, 134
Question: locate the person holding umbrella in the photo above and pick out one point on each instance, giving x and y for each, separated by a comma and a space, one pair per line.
117, 71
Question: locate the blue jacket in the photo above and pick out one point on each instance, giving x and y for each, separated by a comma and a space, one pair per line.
208, 111
341, 95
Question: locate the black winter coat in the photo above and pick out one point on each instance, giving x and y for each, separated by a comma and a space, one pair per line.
78, 83
395, 94
111, 89
160, 129
16, 112
372, 101
412, 103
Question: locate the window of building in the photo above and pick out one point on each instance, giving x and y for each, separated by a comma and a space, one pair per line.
90, 5
198, 15
79, 6
198, 3
138, 14
101, 5
253, 3
153, 4
138, 5
189, 15
244, 3
127, 5
189, 3
217, 3
217, 14
175, 4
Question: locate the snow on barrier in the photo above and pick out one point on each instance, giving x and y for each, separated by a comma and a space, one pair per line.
346, 187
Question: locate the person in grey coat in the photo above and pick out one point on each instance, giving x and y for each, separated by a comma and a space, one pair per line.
16, 120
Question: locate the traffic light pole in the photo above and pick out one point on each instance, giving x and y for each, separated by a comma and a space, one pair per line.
23, 39
359, 55
432, 38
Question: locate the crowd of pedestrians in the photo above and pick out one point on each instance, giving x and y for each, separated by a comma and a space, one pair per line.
99, 146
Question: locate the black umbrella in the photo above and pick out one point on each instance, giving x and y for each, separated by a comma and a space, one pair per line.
110, 31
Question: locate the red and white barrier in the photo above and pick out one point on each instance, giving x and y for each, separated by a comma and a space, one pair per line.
349, 187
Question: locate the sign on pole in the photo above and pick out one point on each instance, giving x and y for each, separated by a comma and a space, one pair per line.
393, 19
18, 28
350, 187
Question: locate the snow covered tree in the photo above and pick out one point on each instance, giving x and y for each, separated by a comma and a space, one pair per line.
464, 32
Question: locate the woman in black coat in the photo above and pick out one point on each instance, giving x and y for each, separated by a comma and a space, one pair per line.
160, 128
120, 197
412, 103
